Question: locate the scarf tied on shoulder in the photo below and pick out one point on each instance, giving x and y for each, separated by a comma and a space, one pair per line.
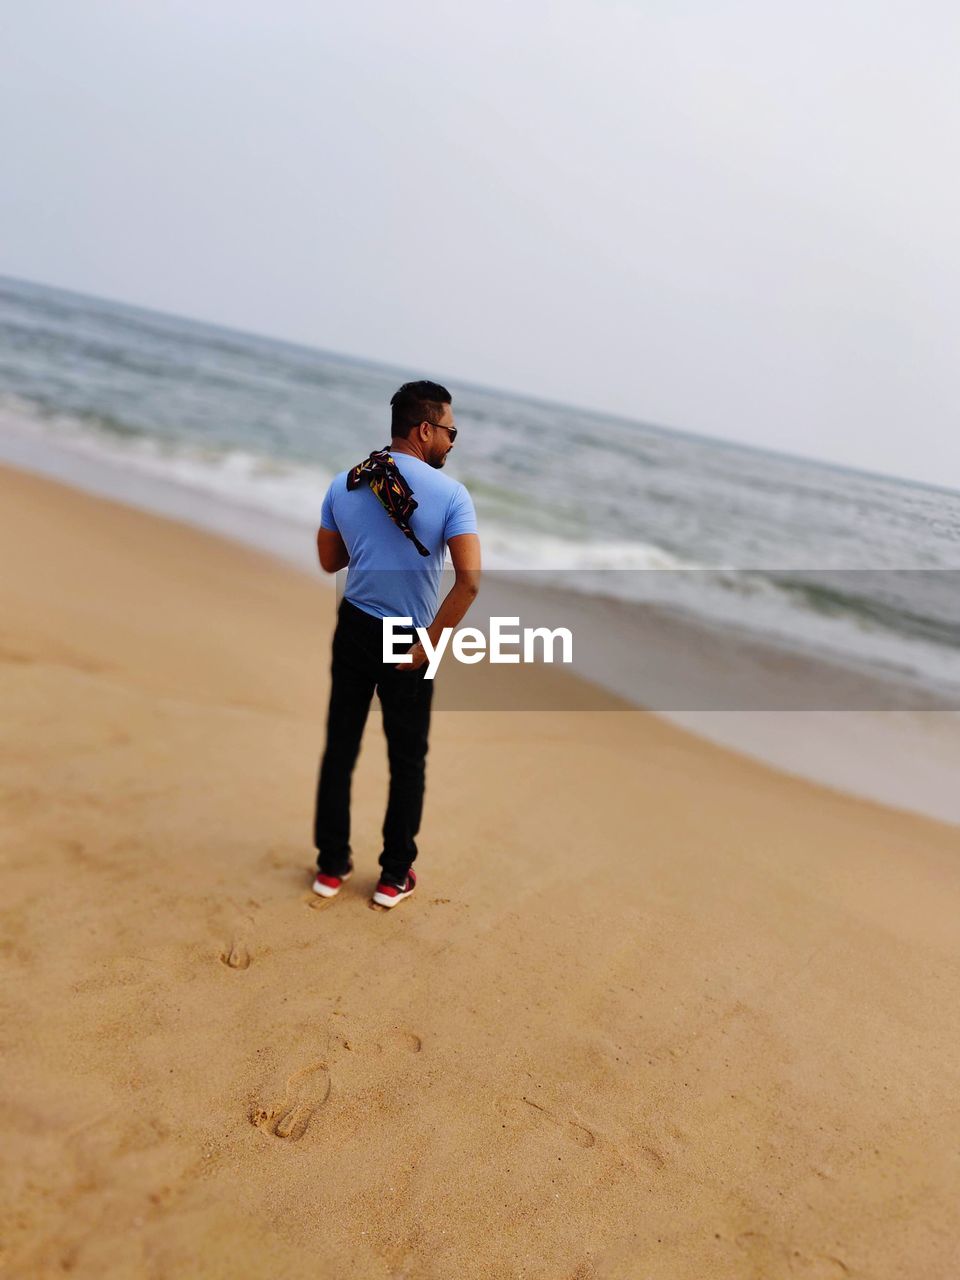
393, 492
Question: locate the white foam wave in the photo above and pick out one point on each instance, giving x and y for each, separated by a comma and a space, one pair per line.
291, 491
510, 547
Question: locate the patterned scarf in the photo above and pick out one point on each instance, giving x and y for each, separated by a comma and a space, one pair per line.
393, 492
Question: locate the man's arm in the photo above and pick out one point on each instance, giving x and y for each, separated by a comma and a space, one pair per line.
332, 550
465, 554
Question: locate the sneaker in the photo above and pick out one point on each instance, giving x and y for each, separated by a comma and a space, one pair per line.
388, 895
329, 886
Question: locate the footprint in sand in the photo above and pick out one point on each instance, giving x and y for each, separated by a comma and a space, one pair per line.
772, 1253
652, 1158
817, 1267
315, 902
517, 1108
236, 956
306, 1091
234, 921
398, 1038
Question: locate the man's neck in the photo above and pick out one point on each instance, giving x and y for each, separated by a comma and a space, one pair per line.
399, 445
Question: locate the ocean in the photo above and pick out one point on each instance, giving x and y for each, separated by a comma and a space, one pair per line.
817, 558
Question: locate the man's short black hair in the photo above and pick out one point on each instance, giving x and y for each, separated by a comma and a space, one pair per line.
417, 402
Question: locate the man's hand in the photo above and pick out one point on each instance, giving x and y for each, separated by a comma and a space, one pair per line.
417, 657
465, 554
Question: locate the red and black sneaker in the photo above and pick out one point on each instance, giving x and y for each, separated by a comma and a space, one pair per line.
329, 886
388, 894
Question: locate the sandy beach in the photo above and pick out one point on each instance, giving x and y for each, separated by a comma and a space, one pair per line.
655, 1012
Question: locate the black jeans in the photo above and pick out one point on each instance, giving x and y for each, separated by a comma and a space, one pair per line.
405, 698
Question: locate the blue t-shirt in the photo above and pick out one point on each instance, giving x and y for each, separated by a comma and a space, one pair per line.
387, 576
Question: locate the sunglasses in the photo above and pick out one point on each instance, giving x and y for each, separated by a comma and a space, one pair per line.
452, 431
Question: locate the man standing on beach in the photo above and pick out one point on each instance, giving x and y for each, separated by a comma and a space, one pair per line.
390, 519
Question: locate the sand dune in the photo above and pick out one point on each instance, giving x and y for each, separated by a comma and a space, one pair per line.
654, 1011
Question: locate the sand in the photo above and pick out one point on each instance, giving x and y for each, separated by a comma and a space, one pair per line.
654, 1011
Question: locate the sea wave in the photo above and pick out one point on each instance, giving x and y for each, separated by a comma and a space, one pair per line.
289, 491
846, 615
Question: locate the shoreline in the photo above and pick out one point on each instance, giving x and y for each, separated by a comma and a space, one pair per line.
654, 1008
894, 744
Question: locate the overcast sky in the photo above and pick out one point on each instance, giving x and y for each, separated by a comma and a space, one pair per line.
735, 218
